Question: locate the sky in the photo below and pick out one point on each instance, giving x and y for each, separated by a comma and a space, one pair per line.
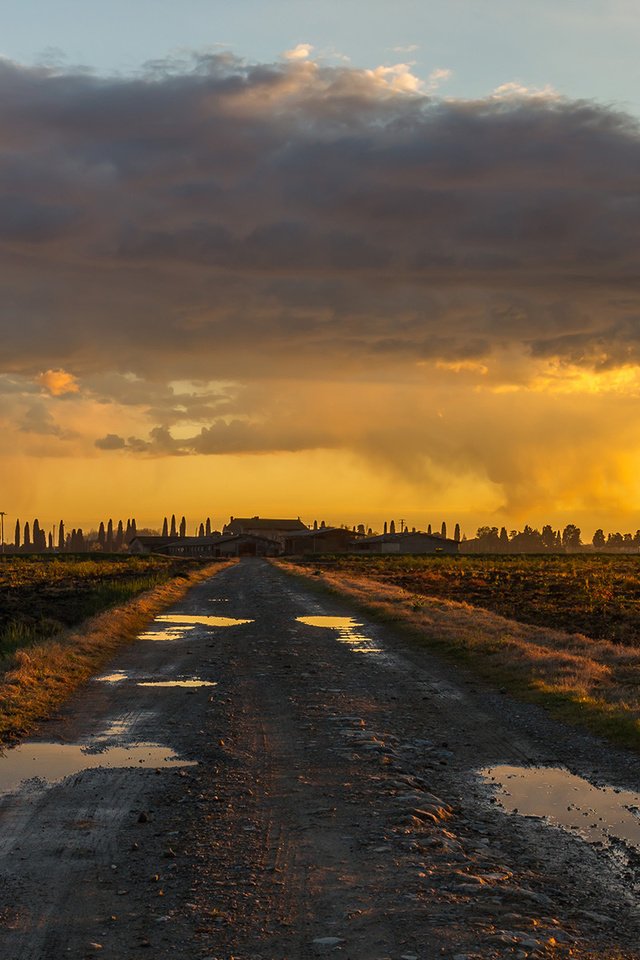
282, 258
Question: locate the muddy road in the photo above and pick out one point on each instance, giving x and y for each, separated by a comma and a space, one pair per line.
266, 774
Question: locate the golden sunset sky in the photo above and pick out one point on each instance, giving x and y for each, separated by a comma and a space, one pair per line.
308, 287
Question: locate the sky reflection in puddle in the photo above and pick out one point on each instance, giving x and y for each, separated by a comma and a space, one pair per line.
598, 814
348, 632
176, 683
53, 762
174, 626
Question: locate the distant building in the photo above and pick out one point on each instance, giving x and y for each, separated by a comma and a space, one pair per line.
149, 544
232, 545
277, 530
389, 543
322, 540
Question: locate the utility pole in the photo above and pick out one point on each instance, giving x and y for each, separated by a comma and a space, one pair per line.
402, 526
2, 516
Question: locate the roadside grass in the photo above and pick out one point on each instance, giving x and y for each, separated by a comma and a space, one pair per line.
592, 683
39, 670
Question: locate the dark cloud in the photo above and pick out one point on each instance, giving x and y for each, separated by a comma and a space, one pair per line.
111, 442
218, 218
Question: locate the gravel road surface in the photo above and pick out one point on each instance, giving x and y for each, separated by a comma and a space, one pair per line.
266, 774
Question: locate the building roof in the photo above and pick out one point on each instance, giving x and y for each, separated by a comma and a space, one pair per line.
217, 539
264, 523
321, 531
399, 537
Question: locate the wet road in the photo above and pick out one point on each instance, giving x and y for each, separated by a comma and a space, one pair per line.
265, 773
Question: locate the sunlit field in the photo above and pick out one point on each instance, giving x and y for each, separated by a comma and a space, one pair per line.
62, 619
595, 595
563, 631
43, 596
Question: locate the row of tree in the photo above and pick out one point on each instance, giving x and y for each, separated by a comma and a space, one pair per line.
108, 538
548, 540
176, 531
33, 539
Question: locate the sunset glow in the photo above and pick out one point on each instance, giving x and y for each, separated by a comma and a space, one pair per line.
308, 286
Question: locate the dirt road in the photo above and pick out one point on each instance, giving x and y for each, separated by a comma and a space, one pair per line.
247, 784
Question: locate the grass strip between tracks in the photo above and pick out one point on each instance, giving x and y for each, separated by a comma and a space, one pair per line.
35, 680
591, 683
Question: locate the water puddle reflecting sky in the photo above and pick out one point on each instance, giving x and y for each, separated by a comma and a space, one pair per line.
176, 683
349, 632
53, 762
598, 814
174, 626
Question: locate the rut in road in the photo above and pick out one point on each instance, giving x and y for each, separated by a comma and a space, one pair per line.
333, 804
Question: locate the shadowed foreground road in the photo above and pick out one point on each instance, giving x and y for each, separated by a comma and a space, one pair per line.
245, 783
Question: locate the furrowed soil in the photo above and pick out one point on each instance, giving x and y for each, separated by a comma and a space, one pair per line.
318, 794
595, 595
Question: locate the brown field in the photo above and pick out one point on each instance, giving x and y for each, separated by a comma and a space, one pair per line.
42, 596
64, 618
519, 622
595, 595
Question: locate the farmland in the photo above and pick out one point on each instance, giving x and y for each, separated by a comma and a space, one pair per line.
561, 631
42, 596
62, 619
598, 596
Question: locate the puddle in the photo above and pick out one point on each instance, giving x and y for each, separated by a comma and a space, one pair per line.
174, 626
186, 619
53, 762
115, 677
348, 632
176, 683
598, 814
172, 633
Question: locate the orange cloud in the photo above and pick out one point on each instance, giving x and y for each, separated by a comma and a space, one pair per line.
58, 382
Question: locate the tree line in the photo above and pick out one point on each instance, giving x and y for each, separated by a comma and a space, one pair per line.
548, 540
110, 537
33, 538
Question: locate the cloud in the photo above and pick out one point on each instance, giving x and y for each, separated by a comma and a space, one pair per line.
111, 442
37, 419
302, 51
180, 247
438, 76
58, 383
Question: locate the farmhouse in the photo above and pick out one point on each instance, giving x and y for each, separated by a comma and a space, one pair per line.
219, 545
405, 543
322, 540
148, 544
277, 530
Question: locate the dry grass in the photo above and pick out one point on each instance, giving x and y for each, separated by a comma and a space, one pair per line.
586, 681
37, 679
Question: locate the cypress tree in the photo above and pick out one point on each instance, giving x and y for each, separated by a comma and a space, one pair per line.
174, 530
127, 535
27, 537
119, 536
392, 527
50, 541
110, 536
443, 529
165, 527
201, 530
384, 529
207, 527
134, 529
101, 536
183, 527
429, 529
16, 539
61, 540
456, 533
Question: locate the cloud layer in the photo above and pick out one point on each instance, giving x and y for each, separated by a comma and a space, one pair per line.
237, 227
